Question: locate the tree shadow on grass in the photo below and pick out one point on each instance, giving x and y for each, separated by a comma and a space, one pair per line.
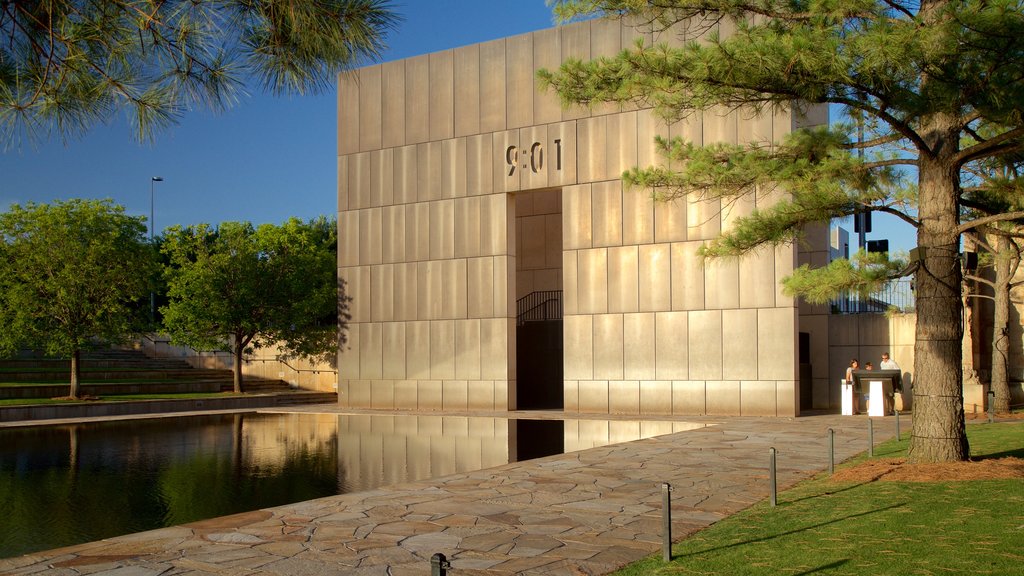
788, 532
823, 567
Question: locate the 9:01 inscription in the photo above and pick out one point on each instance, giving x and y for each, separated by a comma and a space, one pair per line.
532, 158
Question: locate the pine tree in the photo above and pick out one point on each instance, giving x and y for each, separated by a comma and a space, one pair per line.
935, 86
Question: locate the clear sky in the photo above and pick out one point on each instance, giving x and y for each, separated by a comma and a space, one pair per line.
265, 159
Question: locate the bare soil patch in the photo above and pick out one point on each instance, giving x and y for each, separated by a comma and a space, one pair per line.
897, 470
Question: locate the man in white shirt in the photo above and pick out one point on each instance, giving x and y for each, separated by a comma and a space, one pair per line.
888, 363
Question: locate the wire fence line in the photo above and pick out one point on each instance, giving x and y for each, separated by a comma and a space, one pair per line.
897, 295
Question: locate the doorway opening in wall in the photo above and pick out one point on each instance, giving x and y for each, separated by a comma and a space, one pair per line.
538, 282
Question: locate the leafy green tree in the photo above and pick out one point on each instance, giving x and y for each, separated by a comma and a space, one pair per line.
933, 85
73, 275
237, 288
66, 65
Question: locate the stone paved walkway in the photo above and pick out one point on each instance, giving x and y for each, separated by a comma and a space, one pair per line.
587, 512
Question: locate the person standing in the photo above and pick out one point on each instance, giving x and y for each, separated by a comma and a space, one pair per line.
888, 363
854, 365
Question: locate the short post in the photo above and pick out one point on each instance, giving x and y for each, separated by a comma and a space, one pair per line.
771, 474
991, 406
666, 521
831, 451
439, 565
871, 438
898, 438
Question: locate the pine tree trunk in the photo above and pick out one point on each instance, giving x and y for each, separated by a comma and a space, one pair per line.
76, 373
237, 368
1000, 323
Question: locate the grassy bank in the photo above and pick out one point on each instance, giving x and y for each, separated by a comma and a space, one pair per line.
117, 398
825, 526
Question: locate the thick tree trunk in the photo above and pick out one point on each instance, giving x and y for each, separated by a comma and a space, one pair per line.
76, 373
237, 368
1000, 324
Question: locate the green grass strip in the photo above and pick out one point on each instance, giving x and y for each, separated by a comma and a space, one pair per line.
119, 398
826, 527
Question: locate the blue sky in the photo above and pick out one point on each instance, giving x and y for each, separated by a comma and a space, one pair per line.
265, 159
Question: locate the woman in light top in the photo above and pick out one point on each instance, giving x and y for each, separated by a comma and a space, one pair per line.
854, 364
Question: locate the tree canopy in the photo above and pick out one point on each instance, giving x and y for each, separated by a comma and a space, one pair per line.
73, 275
67, 65
936, 89
236, 287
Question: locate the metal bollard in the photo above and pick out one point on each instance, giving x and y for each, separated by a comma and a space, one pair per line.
439, 565
771, 474
871, 438
666, 521
898, 437
831, 451
991, 406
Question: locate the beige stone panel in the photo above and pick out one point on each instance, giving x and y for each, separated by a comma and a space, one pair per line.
343, 189
553, 240
705, 345
670, 222
534, 154
494, 348
480, 287
649, 126
467, 227
371, 347
532, 254
359, 394
655, 273
360, 194
813, 115
755, 127
394, 351
578, 217
504, 395
454, 394
689, 397
479, 164
594, 396
382, 284
607, 217
494, 224
787, 398
524, 283
417, 232
638, 219
623, 279
785, 264
480, 395
817, 327
549, 279
453, 168
605, 40
506, 158
429, 158
519, 80
561, 156
430, 279
739, 348
723, 398
382, 395
720, 125
393, 103
757, 279
417, 99
546, 55
454, 286
406, 394
722, 283
357, 284
467, 349
406, 291
624, 397
504, 274
578, 348
576, 44
639, 351
348, 354
348, 113
442, 349
570, 283
703, 218
429, 396
608, 346
393, 234
370, 108
622, 143
570, 396
591, 149
776, 344
442, 229
406, 174
492, 86
671, 331
348, 236
442, 95
656, 398
592, 281
467, 90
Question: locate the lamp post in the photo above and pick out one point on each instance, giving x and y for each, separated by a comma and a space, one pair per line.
152, 295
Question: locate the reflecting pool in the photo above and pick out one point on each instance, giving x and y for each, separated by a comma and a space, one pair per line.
63, 485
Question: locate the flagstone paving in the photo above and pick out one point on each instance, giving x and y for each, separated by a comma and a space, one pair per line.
586, 512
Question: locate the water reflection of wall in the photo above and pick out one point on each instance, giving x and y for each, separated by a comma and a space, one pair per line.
583, 434
269, 439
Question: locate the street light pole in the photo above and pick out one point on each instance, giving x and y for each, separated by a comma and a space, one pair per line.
152, 295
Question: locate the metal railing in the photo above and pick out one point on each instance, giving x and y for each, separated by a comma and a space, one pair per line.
898, 295
539, 306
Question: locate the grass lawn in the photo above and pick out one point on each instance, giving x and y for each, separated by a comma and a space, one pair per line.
118, 398
823, 526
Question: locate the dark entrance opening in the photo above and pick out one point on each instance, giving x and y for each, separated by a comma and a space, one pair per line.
539, 372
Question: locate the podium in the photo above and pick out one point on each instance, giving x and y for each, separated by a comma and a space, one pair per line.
879, 386
847, 397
